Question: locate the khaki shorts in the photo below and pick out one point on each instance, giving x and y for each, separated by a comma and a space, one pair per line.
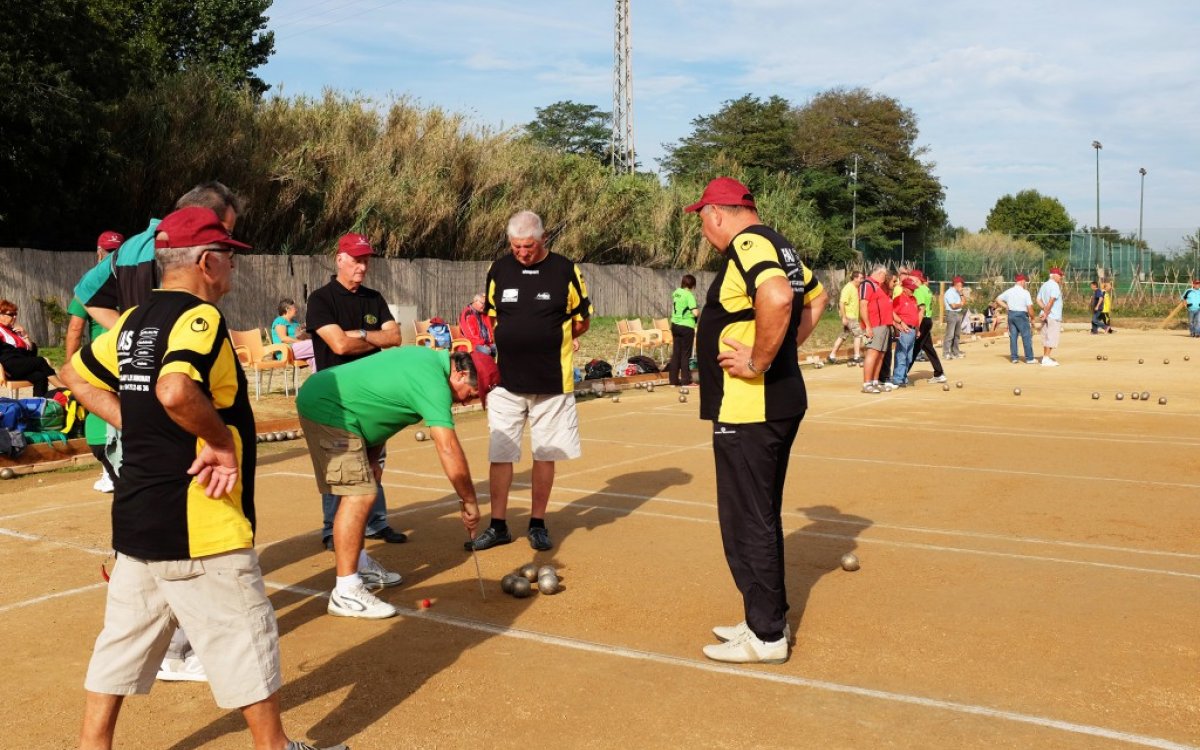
879, 338
1050, 332
342, 462
553, 426
218, 600
854, 329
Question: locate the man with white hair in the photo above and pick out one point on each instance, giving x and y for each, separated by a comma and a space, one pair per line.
1050, 299
1017, 301
541, 306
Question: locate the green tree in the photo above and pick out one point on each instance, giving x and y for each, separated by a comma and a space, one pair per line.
1039, 218
754, 133
573, 128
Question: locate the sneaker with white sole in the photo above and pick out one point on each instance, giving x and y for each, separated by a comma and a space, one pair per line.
887, 387
104, 483
746, 648
938, 379
298, 745
870, 388
358, 602
182, 670
1047, 362
374, 574
729, 632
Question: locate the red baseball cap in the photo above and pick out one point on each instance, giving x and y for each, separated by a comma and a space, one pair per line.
487, 375
1022, 277
723, 191
191, 227
1056, 272
355, 245
110, 240
919, 274
910, 283
958, 280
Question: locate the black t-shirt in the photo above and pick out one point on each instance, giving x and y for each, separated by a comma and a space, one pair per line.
362, 309
534, 307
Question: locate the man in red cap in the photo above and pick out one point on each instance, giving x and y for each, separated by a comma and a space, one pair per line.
924, 344
1050, 299
954, 305
762, 305
348, 414
906, 313
1019, 304
350, 321
183, 515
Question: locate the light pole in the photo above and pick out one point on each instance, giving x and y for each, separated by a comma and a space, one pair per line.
1141, 207
1095, 233
854, 206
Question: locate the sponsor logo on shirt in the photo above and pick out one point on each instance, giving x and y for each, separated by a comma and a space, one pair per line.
530, 271
508, 295
199, 325
543, 295
370, 319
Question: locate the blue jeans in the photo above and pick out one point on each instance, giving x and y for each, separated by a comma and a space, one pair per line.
1194, 322
1097, 321
1018, 325
377, 519
904, 356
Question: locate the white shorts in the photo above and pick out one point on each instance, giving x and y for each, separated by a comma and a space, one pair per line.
553, 426
1050, 333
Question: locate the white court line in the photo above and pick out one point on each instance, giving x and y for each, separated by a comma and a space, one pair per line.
991, 430
49, 540
47, 597
53, 508
863, 524
654, 657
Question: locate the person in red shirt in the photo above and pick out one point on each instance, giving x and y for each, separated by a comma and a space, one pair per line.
875, 311
476, 326
906, 314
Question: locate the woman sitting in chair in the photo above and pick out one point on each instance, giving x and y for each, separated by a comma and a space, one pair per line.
18, 353
285, 330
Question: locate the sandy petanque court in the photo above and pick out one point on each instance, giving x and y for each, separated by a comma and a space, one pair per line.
1030, 579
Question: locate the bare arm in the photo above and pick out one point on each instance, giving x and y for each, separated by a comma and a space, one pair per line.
772, 312
74, 336
217, 465
98, 401
810, 316
105, 316
580, 327
454, 463
281, 334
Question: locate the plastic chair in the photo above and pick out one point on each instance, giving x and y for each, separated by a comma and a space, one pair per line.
627, 341
258, 358
663, 326
459, 342
421, 329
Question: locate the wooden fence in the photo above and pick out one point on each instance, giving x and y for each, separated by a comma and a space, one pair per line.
434, 287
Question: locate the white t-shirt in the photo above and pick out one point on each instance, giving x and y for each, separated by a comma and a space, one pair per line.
1016, 299
952, 296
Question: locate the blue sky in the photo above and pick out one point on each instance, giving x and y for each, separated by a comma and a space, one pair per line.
1008, 95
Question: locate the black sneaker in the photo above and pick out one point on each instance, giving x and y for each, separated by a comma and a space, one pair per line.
488, 539
328, 542
389, 535
539, 538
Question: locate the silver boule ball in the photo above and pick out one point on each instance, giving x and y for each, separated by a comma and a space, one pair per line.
528, 571
1141, 361
1120, 396
958, 384
1095, 395
521, 588
7, 473
420, 436
1166, 361
546, 570
1145, 395
1105, 357
616, 399
1187, 358
946, 387
1016, 391
548, 584
1099, 357
650, 388
506, 583
269, 437
1162, 400
683, 398
1135, 395
850, 562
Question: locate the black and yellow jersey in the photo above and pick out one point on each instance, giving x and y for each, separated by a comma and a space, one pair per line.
158, 512
534, 308
755, 255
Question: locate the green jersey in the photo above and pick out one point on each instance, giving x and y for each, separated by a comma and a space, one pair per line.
924, 297
683, 302
377, 396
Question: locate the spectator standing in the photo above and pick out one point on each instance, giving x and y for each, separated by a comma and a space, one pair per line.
541, 306
476, 326
1019, 304
906, 316
848, 310
1108, 304
875, 314
684, 312
761, 306
183, 516
352, 321
924, 342
1050, 299
1097, 308
348, 414
1191, 298
953, 304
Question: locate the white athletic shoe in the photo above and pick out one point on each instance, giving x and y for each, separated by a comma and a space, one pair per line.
104, 483
182, 670
359, 602
938, 379
729, 632
374, 574
1047, 362
888, 387
746, 648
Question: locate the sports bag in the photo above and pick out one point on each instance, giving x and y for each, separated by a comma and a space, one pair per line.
12, 414
643, 363
597, 369
44, 415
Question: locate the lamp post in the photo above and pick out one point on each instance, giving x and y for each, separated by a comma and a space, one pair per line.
1141, 207
854, 206
1095, 233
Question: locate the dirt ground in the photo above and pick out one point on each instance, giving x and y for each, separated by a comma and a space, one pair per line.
1030, 579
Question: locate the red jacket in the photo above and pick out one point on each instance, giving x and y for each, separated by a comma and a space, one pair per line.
907, 309
477, 327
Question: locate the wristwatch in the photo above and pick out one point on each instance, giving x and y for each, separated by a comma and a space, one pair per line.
362, 333
750, 366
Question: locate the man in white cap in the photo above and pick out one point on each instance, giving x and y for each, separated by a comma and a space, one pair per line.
1050, 299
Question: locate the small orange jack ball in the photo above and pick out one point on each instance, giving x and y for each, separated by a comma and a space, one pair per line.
426, 604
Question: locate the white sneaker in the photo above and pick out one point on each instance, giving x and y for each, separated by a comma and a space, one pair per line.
888, 387
729, 632
359, 602
1047, 362
748, 649
938, 379
104, 483
374, 574
182, 670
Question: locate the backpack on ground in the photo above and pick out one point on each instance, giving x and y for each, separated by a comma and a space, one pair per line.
75, 413
12, 414
44, 415
12, 443
643, 363
597, 369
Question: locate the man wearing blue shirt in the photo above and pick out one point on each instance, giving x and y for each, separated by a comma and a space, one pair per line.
1049, 298
1191, 298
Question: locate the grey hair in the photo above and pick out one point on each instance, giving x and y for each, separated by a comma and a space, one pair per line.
462, 362
175, 258
525, 225
212, 195
877, 268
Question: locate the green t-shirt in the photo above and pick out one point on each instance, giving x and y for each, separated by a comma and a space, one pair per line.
848, 300
78, 310
95, 429
682, 304
377, 396
924, 297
